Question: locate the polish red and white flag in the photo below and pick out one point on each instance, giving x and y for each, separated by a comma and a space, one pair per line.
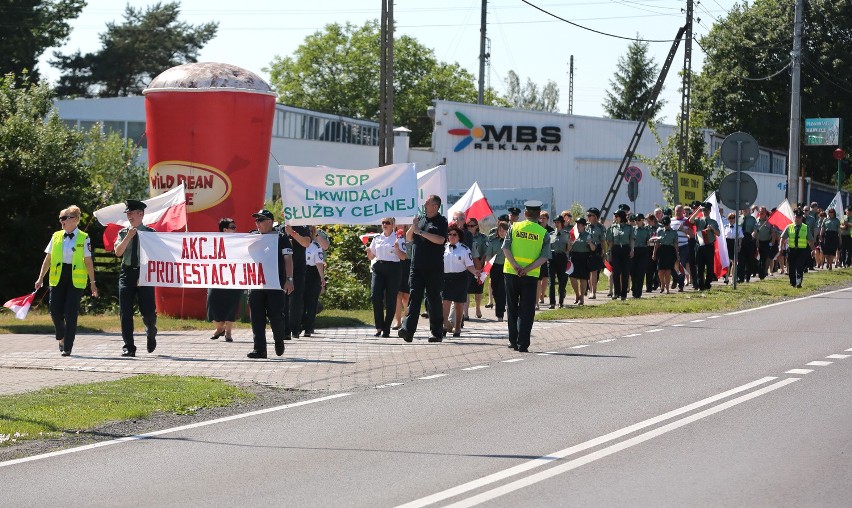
164, 213
782, 216
20, 305
473, 204
486, 269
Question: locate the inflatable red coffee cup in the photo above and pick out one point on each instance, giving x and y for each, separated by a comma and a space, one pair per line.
209, 126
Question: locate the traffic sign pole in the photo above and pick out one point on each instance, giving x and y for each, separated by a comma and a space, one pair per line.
737, 211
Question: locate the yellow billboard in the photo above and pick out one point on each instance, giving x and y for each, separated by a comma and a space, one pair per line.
689, 188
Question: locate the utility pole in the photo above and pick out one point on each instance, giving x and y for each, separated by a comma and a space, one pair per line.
482, 54
795, 108
686, 91
386, 85
571, 85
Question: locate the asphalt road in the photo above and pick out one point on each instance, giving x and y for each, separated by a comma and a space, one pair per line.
708, 413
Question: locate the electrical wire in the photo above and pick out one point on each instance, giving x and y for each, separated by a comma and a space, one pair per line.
824, 76
766, 78
592, 29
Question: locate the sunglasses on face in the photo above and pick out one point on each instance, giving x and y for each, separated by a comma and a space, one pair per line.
452, 234
232, 226
66, 217
386, 223
258, 219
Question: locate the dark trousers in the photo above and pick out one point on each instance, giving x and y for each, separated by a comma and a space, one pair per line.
845, 248
267, 304
296, 301
558, 276
797, 260
687, 255
498, 290
652, 276
764, 249
64, 307
425, 280
620, 270
749, 264
704, 258
313, 288
641, 256
129, 291
384, 287
520, 307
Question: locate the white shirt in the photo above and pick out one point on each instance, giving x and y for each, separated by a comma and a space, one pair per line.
68, 247
383, 247
729, 231
457, 258
682, 239
314, 255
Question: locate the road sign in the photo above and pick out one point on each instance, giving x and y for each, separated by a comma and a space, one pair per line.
728, 191
740, 151
689, 188
633, 173
632, 190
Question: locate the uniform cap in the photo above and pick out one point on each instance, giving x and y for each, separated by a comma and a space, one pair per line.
667, 212
559, 218
640, 216
533, 205
503, 218
631, 217
133, 204
799, 213
707, 205
624, 207
581, 220
665, 221
514, 210
621, 213
263, 214
594, 211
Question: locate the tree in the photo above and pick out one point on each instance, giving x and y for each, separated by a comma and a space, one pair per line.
632, 84
337, 71
745, 85
46, 166
529, 96
29, 28
665, 165
134, 52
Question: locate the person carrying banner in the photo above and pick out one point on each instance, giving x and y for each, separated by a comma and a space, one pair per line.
428, 234
526, 247
799, 239
68, 260
129, 289
706, 232
222, 303
271, 304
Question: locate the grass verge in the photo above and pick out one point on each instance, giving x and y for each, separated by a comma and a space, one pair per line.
38, 322
720, 298
77, 408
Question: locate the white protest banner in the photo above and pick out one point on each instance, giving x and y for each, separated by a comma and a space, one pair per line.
314, 196
208, 260
429, 182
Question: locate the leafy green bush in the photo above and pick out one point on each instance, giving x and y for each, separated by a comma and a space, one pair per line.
347, 269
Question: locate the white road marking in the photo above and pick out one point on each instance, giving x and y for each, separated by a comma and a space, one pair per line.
698, 320
388, 385
850, 349
680, 325
799, 371
172, 430
433, 376
641, 438
787, 301
605, 341
819, 363
838, 357
631, 335
511, 360
713, 317
579, 346
477, 367
547, 459
654, 330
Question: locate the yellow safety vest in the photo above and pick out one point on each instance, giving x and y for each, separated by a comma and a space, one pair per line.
79, 275
527, 239
803, 236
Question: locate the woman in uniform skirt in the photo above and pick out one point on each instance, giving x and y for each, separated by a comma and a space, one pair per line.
222, 303
666, 253
458, 262
314, 281
580, 252
830, 237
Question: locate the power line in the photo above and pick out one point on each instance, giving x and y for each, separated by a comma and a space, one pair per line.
824, 76
592, 29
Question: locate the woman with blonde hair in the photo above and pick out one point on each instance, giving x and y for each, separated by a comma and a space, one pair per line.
384, 254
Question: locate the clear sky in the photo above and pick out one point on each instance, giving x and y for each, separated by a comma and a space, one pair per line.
523, 39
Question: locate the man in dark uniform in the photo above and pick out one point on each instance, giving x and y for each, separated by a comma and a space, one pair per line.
748, 224
129, 290
514, 214
300, 239
706, 233
526, 247
641, 235
800, 240
271, 303
428, 233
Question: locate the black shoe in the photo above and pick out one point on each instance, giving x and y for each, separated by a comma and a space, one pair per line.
407, 337
217, 335
228, 338
152, 344
512, 346
307, 334
61, 347
457, 334
294, 335
66, 353
523, 350
257, 354
385, 335
396, 327
129, 353
424, 315
435, 339
279, 348
489, 306
552, 306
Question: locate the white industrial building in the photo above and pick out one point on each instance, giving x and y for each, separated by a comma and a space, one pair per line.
572, 157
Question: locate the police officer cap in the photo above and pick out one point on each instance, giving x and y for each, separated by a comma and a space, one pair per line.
581, 220
707, 205
621, 213
799, 213
133, 204
514, 210
696, 204
667, 212
503, 218
533, 205
624, 207
666, 220
263, 214
559, 218
594, 211
640, 216
631, 217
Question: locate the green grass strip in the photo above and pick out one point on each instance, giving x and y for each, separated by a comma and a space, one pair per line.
77, 408
721, 298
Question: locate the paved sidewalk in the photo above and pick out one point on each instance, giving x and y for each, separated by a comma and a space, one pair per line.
333, 359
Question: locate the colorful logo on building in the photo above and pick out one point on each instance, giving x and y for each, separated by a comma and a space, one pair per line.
525, 138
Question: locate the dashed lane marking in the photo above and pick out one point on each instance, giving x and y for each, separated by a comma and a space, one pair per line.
512, 360
679, 324
713, 317
476, 367
433, 376
799, 371
579, 346
654, 330
838, 357
819, 363
605, 341
387, 385
631, 335
698, 320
